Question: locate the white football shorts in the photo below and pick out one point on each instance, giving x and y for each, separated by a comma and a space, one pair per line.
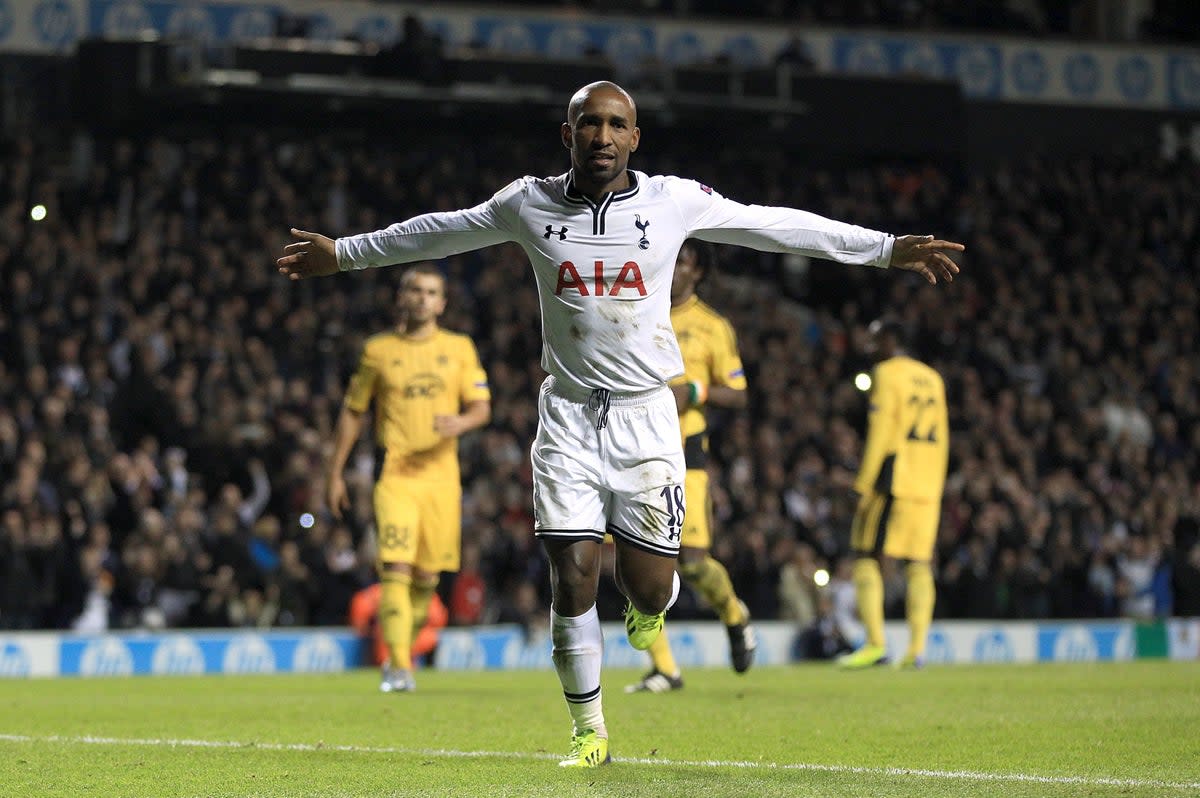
608, 462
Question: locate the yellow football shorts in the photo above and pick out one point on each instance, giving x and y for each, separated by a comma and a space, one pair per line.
419, 523
697, 521
905, 529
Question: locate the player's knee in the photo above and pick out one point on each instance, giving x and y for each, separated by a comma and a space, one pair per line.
395, 571
691, 571
574, 585
424, 579
653, 602
651, 598
572, 581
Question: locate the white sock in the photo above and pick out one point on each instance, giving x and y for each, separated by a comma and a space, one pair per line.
674, 591
578, 652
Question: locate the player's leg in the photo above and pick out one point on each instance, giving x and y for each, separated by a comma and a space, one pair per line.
912, 535
867, 536
707, 576
921, 595
648, 579
645, 473
439, 546
424, 585
664, 674
396, 521
578, 645
569, 517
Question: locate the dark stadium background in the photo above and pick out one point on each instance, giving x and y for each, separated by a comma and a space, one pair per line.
167, 399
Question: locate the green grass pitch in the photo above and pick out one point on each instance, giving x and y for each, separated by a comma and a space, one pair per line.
1125, 729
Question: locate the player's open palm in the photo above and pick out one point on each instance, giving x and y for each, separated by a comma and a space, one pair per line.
312, 256
926, 256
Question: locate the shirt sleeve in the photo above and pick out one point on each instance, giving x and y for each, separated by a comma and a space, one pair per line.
711, 217
727, 363
882, 419
433, 236
362, 384
474, 379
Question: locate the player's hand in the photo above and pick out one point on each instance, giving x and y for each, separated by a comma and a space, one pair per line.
682, 393
926, 256
336, 496
312, 256
449, 426
692, 393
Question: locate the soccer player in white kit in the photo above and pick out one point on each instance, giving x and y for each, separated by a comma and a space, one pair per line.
608, 457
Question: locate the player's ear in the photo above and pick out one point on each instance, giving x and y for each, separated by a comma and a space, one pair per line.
637, 137
565, 132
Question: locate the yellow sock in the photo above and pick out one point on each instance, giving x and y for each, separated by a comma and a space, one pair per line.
710, 579
421, 593
920, 598
868, 587
661, 656
395, 618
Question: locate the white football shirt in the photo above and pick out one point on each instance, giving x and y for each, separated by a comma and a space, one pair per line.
604, 268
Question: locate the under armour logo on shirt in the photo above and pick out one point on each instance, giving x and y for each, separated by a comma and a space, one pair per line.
550, 231
644, 243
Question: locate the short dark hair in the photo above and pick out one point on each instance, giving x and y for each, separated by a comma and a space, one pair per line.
893, 328
706, 256
425, 268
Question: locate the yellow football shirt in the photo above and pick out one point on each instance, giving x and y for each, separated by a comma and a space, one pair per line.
412, 381
710, 356
908, 433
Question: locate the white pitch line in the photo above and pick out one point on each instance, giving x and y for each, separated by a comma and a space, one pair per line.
960, 775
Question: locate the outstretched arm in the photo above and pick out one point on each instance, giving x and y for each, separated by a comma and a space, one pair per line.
711, 217
431, 236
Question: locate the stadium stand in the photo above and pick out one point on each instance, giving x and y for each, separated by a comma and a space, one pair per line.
1164, 20
166, 399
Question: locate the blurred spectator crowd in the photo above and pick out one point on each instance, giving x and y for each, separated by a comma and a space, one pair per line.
167, 399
